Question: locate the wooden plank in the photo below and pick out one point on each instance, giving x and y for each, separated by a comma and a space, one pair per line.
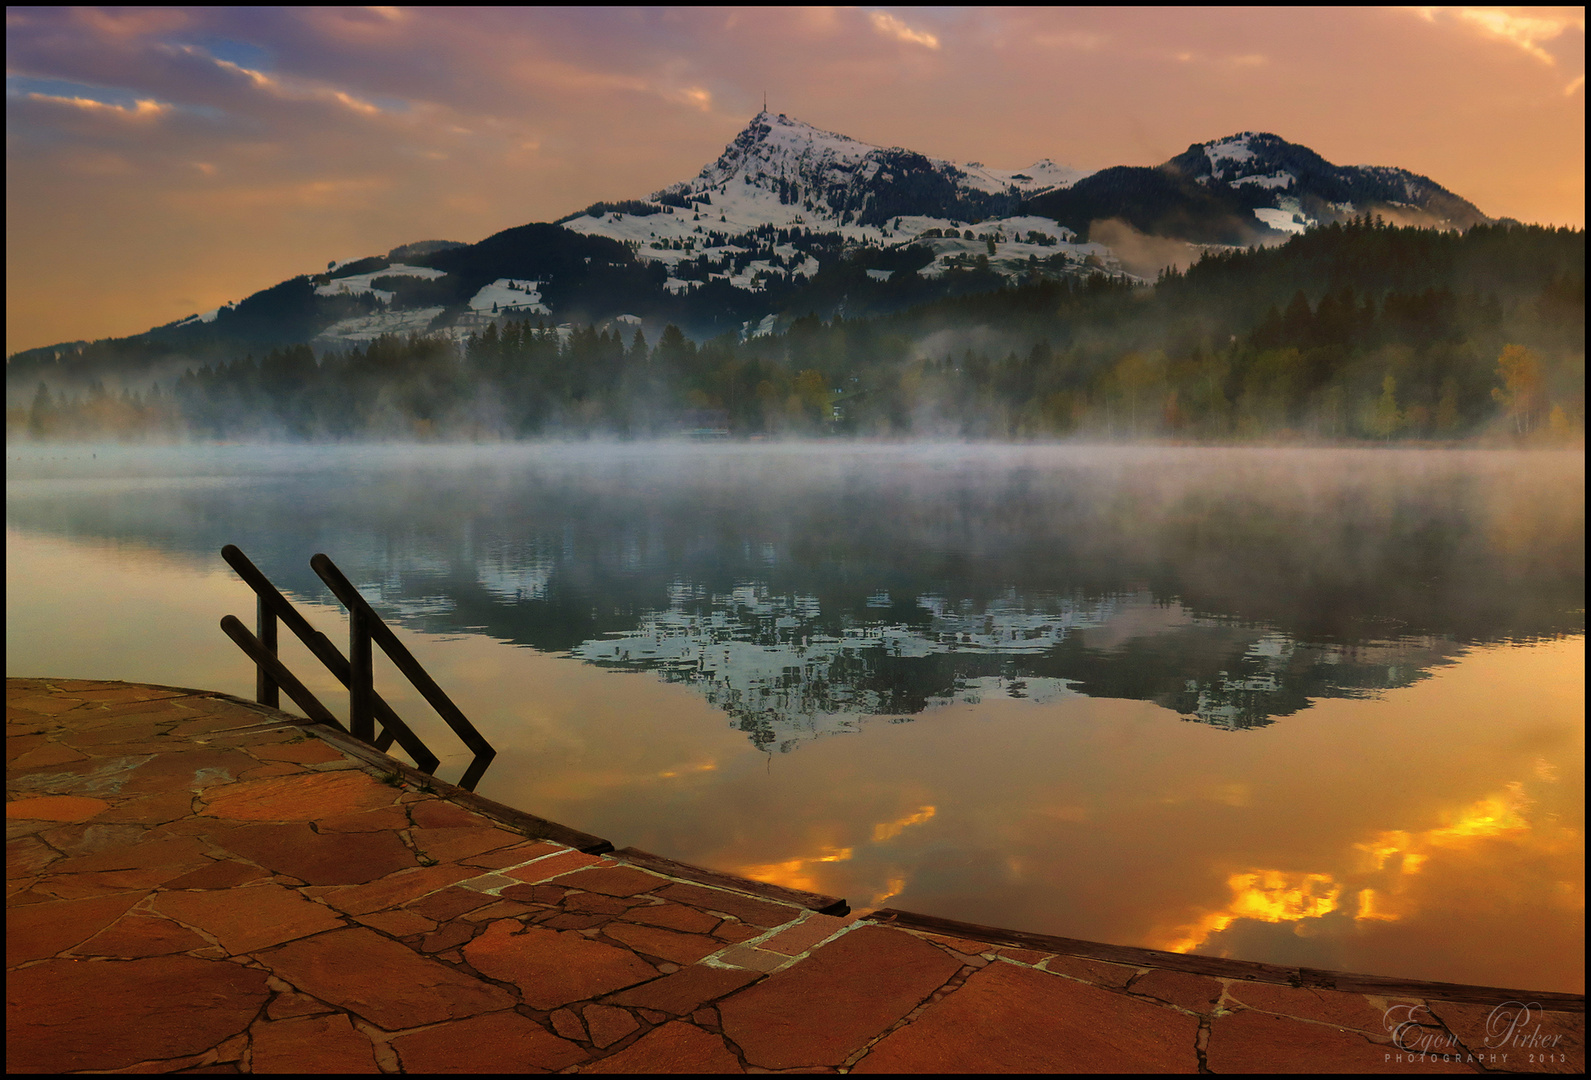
819, 902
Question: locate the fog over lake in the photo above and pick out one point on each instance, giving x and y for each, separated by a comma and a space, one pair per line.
1299, 706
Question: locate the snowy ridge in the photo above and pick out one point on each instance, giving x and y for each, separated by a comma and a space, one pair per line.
786, 201
775, 148
788, 175
1304, 189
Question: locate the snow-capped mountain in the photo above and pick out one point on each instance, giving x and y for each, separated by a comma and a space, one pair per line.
1252, 187
783, 176
1307, 185
822, 172
791, 219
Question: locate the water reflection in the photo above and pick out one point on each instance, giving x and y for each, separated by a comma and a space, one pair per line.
771, 663
1376, 772
803, 592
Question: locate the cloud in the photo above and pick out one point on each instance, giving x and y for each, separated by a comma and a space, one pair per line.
297, 91
1070, 39
142, 109
889, 26
1141, 253
487, 118
1380, 880
694, 96
1526, 31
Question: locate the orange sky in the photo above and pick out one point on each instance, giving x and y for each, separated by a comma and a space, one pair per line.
160, 162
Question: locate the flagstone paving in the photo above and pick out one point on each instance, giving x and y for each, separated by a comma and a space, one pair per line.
196, 883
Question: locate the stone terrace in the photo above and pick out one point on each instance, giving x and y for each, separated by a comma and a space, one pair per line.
198, 883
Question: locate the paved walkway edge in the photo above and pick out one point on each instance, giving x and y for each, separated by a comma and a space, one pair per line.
1220, 967
537, 828
1193, 963
199, 882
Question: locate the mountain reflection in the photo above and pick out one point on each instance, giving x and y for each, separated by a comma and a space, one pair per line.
807, 591
783, 673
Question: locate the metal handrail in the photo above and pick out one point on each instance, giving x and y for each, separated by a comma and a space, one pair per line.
366, 707
368, 627
272, 605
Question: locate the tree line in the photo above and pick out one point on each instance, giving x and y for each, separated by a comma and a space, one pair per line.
1356, 331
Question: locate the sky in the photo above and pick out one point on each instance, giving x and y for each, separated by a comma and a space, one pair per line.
164, 161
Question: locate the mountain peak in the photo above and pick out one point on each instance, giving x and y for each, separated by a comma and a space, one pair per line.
1290, 186
772, 147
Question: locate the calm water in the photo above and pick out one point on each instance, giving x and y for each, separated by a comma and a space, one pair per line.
1320, 707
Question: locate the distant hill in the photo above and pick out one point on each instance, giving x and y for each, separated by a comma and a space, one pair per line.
1247, 188
792, 221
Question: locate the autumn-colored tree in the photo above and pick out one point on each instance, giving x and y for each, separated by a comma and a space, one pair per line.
1520, 395
1136, 374
1386, 418
813, 391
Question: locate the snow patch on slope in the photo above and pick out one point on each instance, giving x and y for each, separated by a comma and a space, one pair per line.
1281, 220
366, 328
1234, 149
1280, 180
509, 294
354, 284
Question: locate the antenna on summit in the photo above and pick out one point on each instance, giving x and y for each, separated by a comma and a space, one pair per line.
765, 101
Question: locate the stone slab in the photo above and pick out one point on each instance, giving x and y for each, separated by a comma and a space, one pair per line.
56, 808
36, 931
763, 913
301, 797
1249, 1041
608, 1024
136, 936
1534, 1039
63, 1015
1007, 1018
318, 858
613, 880
1306, 1003
675, 1047
552, 967
666, 944
406, 887
311, 1044
829, 1006
494, 1043
686, 990
375, 977
249, 918
1195, 993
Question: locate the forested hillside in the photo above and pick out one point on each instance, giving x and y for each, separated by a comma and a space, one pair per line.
1355, 331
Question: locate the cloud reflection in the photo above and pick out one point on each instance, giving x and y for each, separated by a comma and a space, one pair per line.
1379, 887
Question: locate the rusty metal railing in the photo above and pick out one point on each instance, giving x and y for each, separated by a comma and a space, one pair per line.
356, 671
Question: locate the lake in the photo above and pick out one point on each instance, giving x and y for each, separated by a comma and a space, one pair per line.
1317, 707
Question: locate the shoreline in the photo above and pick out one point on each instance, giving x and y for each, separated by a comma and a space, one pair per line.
341, 910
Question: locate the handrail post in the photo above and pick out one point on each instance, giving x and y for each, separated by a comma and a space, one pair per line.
361, 681
366, 631
296, 690
320, 646
399, 654
266, 690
